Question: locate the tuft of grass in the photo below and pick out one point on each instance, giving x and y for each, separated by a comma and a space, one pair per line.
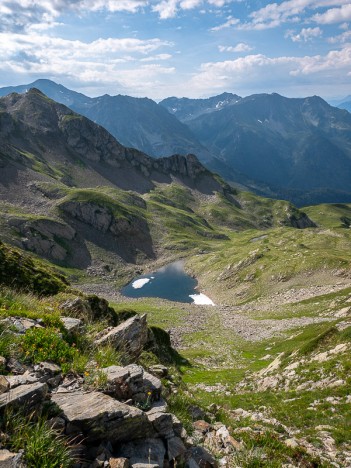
43, 446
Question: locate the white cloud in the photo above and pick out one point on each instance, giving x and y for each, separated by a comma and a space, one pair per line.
20, 15
241, 47
104, 61
230, 22
157, 57
306, 34
167, 9
253, 72
334, 15
340, 38
275, 14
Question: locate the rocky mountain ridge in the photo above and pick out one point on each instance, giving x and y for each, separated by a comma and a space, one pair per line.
67, 184
135, 122
295, 149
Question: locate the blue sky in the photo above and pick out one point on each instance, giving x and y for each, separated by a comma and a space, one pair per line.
193, 48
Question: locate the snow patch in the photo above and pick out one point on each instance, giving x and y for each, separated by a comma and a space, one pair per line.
201, 299
137, 284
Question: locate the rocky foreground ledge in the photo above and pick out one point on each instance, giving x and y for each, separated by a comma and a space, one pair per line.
123, 423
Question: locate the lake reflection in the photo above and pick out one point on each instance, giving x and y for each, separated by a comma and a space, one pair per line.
169, 282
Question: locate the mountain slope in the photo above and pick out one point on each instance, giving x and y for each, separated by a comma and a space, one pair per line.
285, 144
74, 195
186, 109
135, 122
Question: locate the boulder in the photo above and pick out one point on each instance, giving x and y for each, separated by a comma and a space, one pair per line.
162, 423
145, 452
99, 417
77, 306
24, 395
71, 325
124, 382
203, 458
175, 448
130, 336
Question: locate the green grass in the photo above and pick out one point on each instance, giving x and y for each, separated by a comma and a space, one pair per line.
19, 270
43, 447
332, 215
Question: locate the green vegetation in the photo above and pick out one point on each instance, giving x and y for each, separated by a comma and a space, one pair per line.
43, 446
45, 344
21, 271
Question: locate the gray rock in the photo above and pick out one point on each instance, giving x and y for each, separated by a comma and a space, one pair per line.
77, 306
162, 423
24, 379
24, 395
202, 457
159, 406
15, 366
178, 427
159, 370
175, 448
21, 324
124, 383
130, 336
144, 452
100, 417
10, 460
4, 384
152, 384
72, 325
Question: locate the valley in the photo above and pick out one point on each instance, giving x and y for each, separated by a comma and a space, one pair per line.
269, 362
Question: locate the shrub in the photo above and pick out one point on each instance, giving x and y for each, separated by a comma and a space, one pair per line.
45, 344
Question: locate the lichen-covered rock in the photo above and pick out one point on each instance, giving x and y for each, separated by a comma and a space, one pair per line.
99, 417
130, 336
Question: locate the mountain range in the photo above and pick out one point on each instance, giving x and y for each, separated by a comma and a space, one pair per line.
294, 149
70, 192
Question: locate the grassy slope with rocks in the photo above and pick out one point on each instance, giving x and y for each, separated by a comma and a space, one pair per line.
276, 289
273, 354
74, 352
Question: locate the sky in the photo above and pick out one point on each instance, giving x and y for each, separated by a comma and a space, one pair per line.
191, 48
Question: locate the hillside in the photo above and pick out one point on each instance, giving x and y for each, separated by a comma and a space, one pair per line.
74, 195
260, 378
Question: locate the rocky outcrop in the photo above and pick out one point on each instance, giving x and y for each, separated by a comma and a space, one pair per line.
24, 396
53, 240
100, 417
130, 336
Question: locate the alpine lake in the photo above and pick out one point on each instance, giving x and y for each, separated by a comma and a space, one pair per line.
170, 282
